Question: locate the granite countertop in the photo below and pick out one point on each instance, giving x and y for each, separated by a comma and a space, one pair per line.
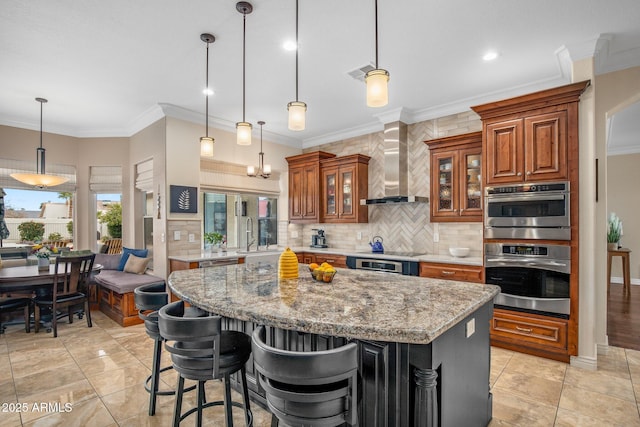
357, 304
232, 253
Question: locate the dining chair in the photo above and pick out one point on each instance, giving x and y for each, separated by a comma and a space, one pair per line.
13, 304
69, 289
311, 389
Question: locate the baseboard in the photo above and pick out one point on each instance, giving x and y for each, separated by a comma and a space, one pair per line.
618, 280
588, 363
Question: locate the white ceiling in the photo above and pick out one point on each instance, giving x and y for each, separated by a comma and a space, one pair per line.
110, 68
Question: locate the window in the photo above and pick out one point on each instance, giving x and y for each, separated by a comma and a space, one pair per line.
232, 215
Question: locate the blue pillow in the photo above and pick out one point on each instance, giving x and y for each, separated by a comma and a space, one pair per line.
142, 253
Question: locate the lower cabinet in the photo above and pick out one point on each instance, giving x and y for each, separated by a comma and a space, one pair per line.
534, 334
463, 273
333, 259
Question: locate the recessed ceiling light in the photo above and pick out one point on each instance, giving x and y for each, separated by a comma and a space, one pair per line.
207, 91
490, 56
289, 45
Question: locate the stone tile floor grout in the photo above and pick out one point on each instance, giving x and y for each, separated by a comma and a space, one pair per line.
95, 376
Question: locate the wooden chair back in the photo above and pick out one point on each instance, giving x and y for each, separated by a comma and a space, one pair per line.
72, 274
114, 246
56, 243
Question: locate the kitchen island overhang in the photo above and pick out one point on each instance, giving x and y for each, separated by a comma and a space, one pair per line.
423, 343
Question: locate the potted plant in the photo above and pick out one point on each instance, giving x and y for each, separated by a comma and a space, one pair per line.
212, 238
614, 231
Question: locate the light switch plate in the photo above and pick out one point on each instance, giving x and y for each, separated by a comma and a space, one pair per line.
471, 327
176, 235
192, 237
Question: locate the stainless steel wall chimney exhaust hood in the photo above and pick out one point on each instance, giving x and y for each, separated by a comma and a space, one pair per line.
396, 174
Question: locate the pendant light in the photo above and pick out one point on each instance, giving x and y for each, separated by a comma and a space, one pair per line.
297, 109
40, 179
243, 128
206, 142
377, 79
263, 171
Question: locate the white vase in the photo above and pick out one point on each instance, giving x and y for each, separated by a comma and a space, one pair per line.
43, 263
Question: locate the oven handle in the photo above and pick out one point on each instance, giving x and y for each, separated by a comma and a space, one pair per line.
527, 197
528, 262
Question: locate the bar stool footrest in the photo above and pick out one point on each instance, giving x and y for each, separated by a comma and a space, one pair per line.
147, 385
217, 403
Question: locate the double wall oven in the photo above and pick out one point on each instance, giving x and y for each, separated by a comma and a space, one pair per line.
526, 252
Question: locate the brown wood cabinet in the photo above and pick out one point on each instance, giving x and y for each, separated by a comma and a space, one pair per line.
545, 336
456, 178
534, 138
333, 259
529, 138
304, 186
463, 273
345, 180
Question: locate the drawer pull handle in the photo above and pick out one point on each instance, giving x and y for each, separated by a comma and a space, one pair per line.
448, 273
525, 330
331, 260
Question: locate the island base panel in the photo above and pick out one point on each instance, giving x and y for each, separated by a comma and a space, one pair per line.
443, 383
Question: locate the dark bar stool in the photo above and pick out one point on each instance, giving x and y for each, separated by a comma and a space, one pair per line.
149, 299
318, 388
202, 351
13, 304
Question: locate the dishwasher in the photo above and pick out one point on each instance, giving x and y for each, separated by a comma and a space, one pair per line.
217, 262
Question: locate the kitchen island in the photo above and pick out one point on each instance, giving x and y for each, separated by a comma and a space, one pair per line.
423, 343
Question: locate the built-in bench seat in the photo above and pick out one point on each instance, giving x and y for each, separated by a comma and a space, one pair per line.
115, 289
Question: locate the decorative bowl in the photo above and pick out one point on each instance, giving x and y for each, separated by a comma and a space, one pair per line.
323, 276
459, 252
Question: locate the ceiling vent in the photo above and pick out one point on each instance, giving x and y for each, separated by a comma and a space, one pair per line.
359, 73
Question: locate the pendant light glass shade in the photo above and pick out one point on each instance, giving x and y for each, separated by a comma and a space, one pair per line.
243, 128
40, 179
377, 90
243, 132
297, 113
206, 142
297, 109
206, 146
377, 79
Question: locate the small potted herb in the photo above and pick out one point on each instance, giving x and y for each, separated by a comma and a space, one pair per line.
212, 239
614, 231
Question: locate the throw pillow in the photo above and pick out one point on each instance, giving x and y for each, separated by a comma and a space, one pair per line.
136, 264
108, 262
142, 253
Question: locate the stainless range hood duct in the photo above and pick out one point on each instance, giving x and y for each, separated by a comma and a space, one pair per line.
396, 174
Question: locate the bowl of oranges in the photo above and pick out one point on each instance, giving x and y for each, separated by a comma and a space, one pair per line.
323, 272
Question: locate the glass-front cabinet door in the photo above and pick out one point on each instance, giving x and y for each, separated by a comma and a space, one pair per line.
471, 182
446, 202
346, 192
330, 182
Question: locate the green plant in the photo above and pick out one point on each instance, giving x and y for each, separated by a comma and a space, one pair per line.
31, 231
213, 238
113, 218
70, 228
54, 237
614, 231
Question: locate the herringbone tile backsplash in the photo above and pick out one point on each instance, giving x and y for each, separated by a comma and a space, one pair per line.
403, 227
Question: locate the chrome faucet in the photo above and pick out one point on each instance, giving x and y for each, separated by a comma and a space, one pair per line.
250, 233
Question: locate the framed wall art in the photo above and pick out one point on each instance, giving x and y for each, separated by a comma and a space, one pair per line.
183, 199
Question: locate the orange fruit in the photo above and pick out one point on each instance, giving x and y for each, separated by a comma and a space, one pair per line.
313, 266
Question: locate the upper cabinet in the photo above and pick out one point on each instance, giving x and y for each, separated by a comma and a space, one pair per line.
528, 138
345, 180
456, 178
304, 186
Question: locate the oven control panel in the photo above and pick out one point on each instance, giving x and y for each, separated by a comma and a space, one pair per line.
524, 250
541, 187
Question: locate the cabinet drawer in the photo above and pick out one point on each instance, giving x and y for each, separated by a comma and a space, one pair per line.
545, 332
334, 260
463, 273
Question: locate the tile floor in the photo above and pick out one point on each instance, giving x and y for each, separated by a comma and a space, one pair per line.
99, 372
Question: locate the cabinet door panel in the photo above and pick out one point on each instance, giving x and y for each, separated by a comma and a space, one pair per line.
310, 192
504, 154
330, 192
471, 184
444, 180
546, 146
346, 182
295, 193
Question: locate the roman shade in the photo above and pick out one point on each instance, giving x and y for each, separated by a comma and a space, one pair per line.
105, 179
144, 176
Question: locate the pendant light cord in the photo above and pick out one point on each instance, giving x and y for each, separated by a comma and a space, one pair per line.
244, 55
297, 48
376, 13
206, 119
